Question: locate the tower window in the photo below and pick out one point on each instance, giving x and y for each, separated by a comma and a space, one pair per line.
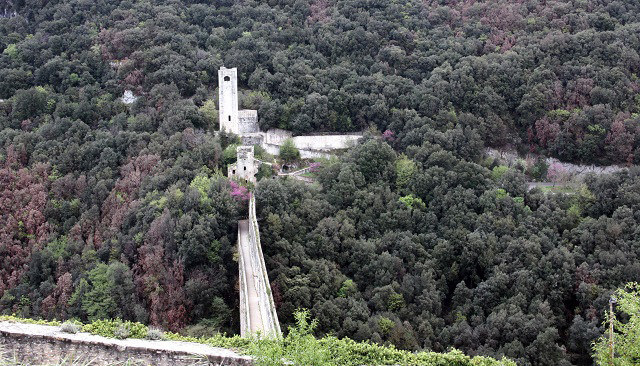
245, 168
229, 118
234, 171
226, 78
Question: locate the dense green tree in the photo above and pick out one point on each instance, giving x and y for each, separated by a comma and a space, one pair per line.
289, 153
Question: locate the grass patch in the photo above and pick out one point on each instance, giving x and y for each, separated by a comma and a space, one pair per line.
559, 188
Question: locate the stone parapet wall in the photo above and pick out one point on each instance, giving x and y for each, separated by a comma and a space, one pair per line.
42, 344
254, 237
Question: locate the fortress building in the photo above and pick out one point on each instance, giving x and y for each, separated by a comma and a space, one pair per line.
246, 167
244, 123
231, 119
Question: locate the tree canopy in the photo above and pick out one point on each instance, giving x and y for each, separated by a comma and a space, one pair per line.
111, 209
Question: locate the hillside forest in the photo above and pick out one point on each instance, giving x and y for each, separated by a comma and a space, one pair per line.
411, 238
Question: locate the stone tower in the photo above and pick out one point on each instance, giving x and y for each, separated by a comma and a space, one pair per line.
228, 99
246, 167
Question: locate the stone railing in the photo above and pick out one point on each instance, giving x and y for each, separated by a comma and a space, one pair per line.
245, 322
32, 344
270, 317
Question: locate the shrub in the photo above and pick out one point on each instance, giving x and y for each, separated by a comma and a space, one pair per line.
498, 172
122, 332
289, 152
155, 334
109, 327
70, 327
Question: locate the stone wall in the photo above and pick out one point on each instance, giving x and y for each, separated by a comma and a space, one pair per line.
41, 344
325, 142
277, 136
248, 121
252, 138
310, 146
305, 154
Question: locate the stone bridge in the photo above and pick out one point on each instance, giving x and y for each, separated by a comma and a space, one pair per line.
257, 310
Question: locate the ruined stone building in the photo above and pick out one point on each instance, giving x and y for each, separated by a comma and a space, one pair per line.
246, 167
244, 123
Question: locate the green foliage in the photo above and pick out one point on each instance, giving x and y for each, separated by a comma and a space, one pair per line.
15, 319
348, 288
501, 193
561, 113
538, 170
260, 153
444, 76
412, 202
405, 169
154, 334
596, 129
106, 293
210, 113
116, 328
498, 171
230, 155
11, 50
626, 333
385, 325
71, 327
264, 171
289, 152
395, 302
299, 347
122, 332
97, 302
30, 103
202, 183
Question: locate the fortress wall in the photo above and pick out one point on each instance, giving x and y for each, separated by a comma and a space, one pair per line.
248, 121
326, 142
277, 136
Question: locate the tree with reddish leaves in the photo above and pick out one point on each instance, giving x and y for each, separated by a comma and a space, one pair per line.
121, 200
55, 305
546, 131
619, 143
23, 226
159, 280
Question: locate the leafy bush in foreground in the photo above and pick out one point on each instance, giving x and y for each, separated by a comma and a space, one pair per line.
626, 335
